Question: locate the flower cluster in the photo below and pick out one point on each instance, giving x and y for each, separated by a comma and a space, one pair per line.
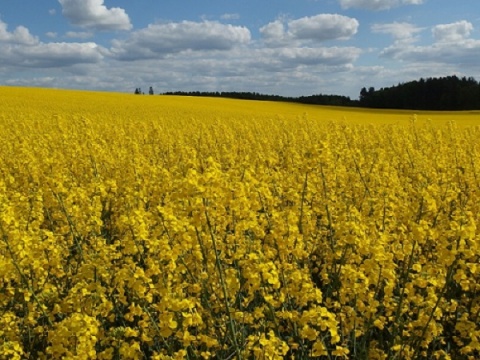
177, 228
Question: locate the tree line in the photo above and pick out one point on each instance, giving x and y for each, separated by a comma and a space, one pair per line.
444, 93
138, 91
334, 100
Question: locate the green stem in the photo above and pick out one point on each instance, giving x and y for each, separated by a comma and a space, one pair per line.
223, 284
25, 280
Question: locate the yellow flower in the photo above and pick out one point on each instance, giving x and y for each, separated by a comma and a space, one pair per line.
203, 227
319, 349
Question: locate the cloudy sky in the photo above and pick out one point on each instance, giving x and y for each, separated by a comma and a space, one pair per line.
286, 47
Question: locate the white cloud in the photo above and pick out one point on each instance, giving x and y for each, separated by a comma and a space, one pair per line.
464, 53
94, 14
323, 27
399, 30
274, 33
452, 46
285, 71
51, 34
20, 49
292, 57
47, 55
330, 56
377, 4
52, 11
188, 55
452, 32
21, 35
78, 34
158, 40
211, 56
320, 27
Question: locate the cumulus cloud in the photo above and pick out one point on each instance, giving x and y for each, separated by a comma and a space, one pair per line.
159, 40
94, 14
187, 55
452, 32
61, 54
377, 4
328, 56
21, 35
247, 68
463, 53
452, 46
212, 56
48, 55
78, 34
399, 30
320, 27
274, 33
21, 49
323, 27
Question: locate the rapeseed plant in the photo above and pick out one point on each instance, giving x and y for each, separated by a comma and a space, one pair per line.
140, 227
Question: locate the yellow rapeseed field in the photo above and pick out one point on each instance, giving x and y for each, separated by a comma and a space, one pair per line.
157, 227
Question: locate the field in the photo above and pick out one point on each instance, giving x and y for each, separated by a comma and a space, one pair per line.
157, 227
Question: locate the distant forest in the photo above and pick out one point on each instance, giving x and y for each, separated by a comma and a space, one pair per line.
445, 93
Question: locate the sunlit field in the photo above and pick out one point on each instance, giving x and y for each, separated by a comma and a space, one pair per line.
162, 227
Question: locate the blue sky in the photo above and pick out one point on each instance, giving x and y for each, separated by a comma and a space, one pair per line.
285, 47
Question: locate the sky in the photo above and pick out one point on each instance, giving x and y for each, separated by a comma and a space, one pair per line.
283, 47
